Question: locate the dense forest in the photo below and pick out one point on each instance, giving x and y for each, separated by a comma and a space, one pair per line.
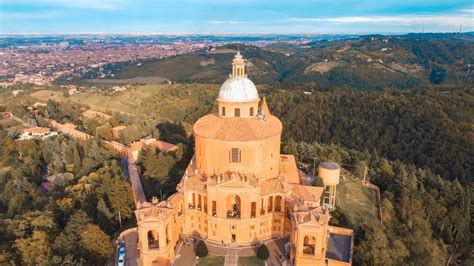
426, 219
426, 127
73, 221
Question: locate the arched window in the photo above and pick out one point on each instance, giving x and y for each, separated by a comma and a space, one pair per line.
153, 240
234, 156
270, 204
233, 206
253, 209
309, 244
278, 204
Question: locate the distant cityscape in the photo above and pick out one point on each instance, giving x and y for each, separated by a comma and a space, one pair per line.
41, 60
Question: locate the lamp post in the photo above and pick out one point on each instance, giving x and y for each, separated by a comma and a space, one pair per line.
314, 168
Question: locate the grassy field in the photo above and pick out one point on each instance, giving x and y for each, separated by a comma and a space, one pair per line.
137, 80
211, 260
178, 102
356, 201
45, 95
250, 261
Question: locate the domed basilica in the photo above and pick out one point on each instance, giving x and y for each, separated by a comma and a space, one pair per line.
239, 190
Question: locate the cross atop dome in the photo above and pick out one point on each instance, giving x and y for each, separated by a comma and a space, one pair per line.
238, 66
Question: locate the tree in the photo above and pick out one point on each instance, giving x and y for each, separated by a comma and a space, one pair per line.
155, 133
262, 252
318, 182
104, 216
117, 195
157, 166
68, 241
291, 147
437, 74
105, 132
96, 243
201, 249
10, 152
179, 152
359, 169
76, 157
17, 194
113, 121
32, 221
131, 134
34, 250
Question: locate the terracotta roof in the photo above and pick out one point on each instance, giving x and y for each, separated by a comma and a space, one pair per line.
307, 193
288, 169
237, 129
273, 185
119, 128
137, 145
70, 125
37, 130
264, 106
163, 146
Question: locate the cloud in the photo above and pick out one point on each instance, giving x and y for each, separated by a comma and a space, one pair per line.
218, 22
84, 4
464, 17
28, 15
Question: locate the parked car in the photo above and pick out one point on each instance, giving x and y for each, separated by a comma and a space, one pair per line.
121, 250
121, 261
121, 254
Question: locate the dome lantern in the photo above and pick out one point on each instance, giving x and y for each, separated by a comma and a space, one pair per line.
238, 66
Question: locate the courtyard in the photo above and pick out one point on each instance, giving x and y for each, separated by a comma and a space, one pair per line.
230, 255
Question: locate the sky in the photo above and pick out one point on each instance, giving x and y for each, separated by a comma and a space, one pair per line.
234, 16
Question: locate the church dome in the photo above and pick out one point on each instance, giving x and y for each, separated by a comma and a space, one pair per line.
238, 89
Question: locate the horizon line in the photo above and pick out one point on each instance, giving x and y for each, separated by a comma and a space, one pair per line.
226, 33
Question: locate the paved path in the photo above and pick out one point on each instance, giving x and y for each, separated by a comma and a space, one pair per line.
131, 255
185, 256
137, 189
231, 258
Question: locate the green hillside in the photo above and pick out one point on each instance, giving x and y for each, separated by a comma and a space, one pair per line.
366, 63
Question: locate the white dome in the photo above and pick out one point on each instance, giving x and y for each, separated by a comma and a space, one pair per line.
238, 89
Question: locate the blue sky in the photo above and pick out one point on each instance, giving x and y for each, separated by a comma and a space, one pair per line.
234, 16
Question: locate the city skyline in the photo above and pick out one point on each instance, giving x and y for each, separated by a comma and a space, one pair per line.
234, 17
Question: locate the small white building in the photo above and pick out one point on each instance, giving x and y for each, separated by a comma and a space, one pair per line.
37, 133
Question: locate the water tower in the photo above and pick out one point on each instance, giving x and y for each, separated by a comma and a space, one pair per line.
330, 172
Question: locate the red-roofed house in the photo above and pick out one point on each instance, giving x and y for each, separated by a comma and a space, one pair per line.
163, 146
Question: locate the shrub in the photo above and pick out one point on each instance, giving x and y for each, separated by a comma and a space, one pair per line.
201, 249
263, 253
